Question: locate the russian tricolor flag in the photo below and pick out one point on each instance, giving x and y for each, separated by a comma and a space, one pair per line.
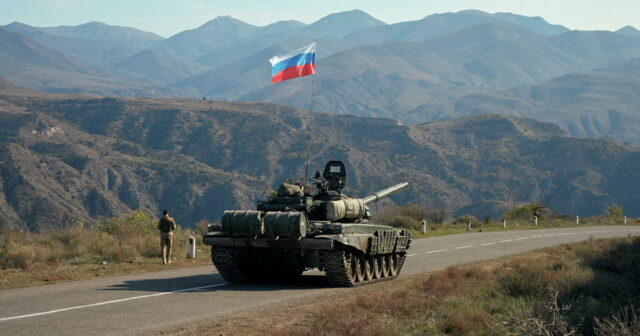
301, 62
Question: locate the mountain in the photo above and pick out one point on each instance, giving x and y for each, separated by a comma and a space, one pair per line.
628, 30
163, 68
599, 48
5, 85
395, 77
535, 24
341, 24
279, 27
18, 53
236, 79
224, 39
601, 103
194, 43
94, 42
442, 24
67, 158
27, 63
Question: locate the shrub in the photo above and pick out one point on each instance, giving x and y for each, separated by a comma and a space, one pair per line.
526, 212
615, 211
465, 219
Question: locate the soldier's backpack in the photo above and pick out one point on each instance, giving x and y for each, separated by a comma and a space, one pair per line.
165, 225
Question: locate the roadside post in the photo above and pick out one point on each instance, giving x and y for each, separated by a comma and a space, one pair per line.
535, 218
192, 248
577, 220
504, 223
469, 227
625, 220
424, 226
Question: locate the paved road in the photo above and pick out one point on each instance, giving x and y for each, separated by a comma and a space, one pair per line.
135, 303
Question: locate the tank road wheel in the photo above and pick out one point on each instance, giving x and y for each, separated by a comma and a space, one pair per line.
226, 262
377, 267
393, 265
369, 267
386, 263
358, 266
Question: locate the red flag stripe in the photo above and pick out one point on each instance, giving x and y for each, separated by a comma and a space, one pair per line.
293, 72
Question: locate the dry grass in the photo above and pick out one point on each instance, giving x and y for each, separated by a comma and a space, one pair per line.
505, 297
122, 245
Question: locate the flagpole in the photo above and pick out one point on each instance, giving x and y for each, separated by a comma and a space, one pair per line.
313, 87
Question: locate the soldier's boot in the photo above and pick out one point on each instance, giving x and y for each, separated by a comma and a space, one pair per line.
169, 254
164, 254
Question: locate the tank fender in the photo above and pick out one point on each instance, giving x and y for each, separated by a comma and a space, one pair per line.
360, 242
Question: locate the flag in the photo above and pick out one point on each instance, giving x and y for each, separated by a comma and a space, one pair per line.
301, 62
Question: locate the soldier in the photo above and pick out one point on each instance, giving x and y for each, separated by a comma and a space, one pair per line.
166, 225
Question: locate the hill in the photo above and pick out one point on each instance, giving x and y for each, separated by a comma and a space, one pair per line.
164, 68
395, 78
341, 24
628, 30
30, 64
95, 42
194, 43
443, 24
67, 158
225, 39
601, 103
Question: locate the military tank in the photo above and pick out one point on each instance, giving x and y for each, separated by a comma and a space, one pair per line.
298, 229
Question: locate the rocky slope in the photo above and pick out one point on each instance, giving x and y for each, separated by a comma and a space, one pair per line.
69, 158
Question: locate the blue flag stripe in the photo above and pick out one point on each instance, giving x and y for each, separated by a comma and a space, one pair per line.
300, 59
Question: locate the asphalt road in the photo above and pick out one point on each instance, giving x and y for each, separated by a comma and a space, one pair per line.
143, 303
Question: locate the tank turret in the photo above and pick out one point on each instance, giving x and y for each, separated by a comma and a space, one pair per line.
297, 229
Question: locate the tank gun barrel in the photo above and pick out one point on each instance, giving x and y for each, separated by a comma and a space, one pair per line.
384, 193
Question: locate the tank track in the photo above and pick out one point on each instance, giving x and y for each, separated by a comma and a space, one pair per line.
234, 271
225, 261
337, 265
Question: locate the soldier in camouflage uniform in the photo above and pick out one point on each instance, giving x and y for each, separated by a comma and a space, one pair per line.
166, 225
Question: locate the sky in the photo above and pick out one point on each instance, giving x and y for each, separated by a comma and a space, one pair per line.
168, 17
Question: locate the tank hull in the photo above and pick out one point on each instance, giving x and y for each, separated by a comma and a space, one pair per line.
349, 254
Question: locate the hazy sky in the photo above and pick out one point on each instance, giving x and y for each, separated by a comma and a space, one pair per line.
167, 17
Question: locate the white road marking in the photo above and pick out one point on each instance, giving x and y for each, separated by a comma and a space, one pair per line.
412, 254
436, 251
522, 238
538, 236
462, 247
485, 244
108, 302
505, 241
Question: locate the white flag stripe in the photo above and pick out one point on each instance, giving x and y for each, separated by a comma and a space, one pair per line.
311, 48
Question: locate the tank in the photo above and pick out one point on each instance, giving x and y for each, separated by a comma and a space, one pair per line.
298, 229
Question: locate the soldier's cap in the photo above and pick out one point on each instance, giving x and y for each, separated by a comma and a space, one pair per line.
164, 212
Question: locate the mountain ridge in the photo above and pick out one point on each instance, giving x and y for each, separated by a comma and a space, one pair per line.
102, 156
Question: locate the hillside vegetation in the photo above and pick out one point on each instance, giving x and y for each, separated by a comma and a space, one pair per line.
70, 158
126, 244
